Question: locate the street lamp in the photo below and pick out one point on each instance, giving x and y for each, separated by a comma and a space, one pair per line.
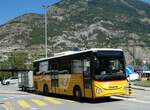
45, 9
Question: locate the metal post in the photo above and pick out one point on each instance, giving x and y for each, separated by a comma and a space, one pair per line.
134, 56
45, 8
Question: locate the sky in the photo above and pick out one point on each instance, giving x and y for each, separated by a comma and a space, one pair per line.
10, 9
147, 1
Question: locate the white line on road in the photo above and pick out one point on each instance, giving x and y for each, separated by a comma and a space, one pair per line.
35, 109
5, 98
132, 99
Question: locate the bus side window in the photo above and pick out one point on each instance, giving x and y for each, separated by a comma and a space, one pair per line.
54, 68
43, 67
49, 66
64, 67
35, 68
76, 66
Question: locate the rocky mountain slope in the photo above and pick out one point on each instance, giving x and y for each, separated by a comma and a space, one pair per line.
84, 24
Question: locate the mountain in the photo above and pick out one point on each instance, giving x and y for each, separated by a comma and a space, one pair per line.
84, 24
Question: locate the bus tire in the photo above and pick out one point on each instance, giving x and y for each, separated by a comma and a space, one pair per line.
45, 90
77, 92
24, 88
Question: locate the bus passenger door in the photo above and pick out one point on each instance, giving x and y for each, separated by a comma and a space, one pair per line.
54, 81
87, 78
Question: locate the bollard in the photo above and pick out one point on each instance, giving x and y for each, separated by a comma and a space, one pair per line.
130, 88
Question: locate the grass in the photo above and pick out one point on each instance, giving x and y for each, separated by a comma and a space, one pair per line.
142, 83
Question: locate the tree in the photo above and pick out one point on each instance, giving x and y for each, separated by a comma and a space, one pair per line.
19, 60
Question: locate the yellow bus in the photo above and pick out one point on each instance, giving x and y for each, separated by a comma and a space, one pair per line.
92, 73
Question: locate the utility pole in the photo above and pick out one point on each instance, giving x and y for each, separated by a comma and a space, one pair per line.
45, 9
134, 63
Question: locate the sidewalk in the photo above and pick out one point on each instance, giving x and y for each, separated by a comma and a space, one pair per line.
141, 88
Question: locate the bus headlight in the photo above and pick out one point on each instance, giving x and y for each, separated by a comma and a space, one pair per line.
126, 88
98, 90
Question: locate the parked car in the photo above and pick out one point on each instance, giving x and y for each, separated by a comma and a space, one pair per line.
11, 80
146, 75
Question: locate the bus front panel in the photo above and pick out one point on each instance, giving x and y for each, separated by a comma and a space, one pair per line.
109, 74
109, 88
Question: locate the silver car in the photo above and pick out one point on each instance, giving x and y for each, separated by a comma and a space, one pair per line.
11, 80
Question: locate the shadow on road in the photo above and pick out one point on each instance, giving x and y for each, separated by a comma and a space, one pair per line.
82, 100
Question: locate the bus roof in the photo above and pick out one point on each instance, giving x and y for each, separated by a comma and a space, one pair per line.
66, 53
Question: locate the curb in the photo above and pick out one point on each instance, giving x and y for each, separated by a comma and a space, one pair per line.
14, 93
141, 88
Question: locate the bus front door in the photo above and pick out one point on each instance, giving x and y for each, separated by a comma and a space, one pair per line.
87, 79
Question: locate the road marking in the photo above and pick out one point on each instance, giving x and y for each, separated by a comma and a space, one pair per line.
35, 109
132, 99
39, 102
9, 105
69, 101
5, 98
11, 97
51, 100
23, 104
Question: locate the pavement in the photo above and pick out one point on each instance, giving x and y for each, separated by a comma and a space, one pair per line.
14, 99
2, 105
6, 93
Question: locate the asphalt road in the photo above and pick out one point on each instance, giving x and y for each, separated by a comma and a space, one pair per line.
10, 96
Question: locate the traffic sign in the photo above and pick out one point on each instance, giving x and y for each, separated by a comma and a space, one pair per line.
145, 68
129, 70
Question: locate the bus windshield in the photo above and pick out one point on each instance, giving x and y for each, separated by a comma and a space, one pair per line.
109, 67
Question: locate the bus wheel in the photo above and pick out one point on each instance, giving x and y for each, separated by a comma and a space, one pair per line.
77, 92
45, 90
23, 88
